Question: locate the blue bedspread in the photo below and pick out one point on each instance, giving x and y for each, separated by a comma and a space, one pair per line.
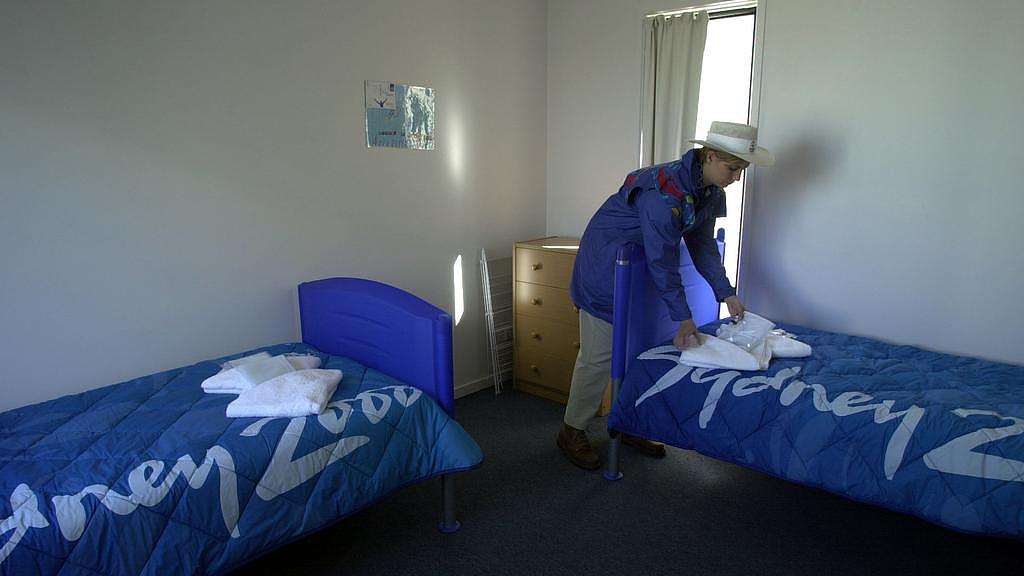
150, 477
930, 434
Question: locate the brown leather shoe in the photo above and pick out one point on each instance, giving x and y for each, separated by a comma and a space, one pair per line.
577, 449
644, 446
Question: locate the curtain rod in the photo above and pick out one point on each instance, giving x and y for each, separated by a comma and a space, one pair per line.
733, 12
716, 7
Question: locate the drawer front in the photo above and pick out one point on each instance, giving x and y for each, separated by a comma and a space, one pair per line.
546, 302
543, 336
544, 267
546, 371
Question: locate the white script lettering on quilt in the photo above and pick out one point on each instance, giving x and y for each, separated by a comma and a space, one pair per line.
25, 514
147, 489
958, 456
844, 404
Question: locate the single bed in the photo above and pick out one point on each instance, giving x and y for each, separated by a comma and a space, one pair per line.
150, 477
934, 435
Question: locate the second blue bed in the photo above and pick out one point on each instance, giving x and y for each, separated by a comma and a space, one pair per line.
935, 435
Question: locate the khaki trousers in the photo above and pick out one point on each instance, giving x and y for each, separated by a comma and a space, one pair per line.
592, 372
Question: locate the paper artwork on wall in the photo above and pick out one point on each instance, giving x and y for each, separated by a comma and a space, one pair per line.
399, 116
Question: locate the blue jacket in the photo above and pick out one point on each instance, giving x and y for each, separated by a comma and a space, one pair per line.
655, 207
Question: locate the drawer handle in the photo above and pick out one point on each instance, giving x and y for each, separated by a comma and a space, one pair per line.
536, 301
534, 369
536, 336
537, 266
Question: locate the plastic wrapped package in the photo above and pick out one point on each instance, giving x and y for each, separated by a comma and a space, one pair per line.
746, 333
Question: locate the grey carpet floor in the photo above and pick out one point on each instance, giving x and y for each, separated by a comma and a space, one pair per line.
528, 511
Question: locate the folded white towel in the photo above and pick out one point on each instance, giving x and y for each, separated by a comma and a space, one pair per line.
225, 382
244, 359
303, 362
262, 370
289, 395
756, 335
255, 371
717, 353
778, 346
762, 351
787, 347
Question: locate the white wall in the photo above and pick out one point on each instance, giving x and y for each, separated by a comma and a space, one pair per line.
594, 73
893, 210
171, 170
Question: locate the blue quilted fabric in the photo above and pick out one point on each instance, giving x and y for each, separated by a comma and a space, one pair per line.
935, 435
150, 477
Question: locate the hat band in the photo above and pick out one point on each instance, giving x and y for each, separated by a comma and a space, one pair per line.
731, 143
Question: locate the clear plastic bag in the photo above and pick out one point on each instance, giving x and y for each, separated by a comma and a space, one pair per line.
746, 333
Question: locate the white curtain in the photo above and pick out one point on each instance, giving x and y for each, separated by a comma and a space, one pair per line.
673, 52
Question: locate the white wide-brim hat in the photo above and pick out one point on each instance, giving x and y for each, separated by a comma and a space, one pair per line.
740, 140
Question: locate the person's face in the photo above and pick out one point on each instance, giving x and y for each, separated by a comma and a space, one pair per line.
722, 173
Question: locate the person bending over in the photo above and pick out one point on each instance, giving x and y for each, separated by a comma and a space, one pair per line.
655, 207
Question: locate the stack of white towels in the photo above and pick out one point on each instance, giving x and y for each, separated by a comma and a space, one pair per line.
274, 386
748, 344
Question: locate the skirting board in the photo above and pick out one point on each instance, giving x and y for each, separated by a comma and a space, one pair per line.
467, 388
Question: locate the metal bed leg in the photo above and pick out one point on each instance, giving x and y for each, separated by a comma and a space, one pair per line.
620, 341
611, 472
448, 525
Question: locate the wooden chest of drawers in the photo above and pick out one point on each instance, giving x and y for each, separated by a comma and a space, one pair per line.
546, 323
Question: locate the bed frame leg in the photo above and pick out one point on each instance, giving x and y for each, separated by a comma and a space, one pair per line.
448, 525
611, 472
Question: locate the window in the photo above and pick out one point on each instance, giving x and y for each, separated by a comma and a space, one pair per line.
725, 95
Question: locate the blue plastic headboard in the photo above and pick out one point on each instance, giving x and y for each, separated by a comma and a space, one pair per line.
383, 327
640, 318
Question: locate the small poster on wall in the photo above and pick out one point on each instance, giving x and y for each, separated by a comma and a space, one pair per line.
399, 116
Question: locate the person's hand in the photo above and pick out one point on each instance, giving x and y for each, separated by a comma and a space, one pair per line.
687, 336
736, 307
